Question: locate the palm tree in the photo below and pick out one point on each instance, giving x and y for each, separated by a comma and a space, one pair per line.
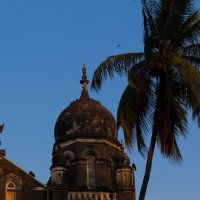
163, 81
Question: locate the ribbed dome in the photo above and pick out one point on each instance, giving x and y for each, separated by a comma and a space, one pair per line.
85, 116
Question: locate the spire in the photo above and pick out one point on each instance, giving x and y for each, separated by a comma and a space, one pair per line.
84, 82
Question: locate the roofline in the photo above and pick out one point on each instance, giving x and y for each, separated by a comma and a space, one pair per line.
42, 184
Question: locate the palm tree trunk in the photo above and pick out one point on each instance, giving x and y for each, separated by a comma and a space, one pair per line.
148, 167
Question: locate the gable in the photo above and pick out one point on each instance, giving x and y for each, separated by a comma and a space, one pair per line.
26, 186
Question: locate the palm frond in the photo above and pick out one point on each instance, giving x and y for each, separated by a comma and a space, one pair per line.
135, 108
188, 77
119, 64
170, 117
189, 31
148, 8
191, 53
132, 120
190, 50
195, 61
170, 149
171, 17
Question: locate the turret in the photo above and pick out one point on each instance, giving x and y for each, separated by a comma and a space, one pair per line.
58, 168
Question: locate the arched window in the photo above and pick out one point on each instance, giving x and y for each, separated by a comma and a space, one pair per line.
10, 191
91, 171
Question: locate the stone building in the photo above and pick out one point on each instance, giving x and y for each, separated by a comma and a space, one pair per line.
16, 184
88, 161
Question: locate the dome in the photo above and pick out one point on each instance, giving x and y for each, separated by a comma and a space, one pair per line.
85, 116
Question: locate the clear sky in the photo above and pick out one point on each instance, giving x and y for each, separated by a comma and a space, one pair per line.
43, 44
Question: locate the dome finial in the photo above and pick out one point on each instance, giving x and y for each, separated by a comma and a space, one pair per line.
84, 80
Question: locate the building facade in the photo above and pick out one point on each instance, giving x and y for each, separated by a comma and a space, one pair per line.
16, 184
88, 161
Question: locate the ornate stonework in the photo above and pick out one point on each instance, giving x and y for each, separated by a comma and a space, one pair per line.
92, 196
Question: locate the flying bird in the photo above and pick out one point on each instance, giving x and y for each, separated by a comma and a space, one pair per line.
1, 128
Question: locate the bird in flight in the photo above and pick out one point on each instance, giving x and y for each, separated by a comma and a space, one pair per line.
1, 128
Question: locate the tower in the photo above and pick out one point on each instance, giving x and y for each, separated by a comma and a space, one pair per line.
88, 161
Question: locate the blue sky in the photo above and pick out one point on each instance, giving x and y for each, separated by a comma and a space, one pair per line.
43, 45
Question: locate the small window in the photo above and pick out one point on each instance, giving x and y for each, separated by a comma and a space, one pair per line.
10, 191
91, 171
